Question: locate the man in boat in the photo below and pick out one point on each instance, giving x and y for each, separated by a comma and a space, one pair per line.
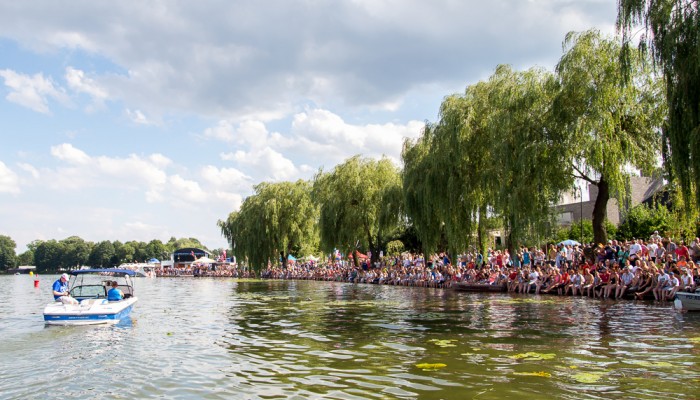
114, 294
60, 291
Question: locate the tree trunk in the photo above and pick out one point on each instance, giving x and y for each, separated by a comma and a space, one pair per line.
284, 260
600, 235
481, 232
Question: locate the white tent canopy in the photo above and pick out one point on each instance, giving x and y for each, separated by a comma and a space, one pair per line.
311, 257
205, 260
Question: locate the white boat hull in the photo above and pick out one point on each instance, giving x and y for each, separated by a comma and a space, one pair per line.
687, 301
88, 312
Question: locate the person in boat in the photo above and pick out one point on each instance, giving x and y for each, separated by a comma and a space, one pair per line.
60, 291
114, 294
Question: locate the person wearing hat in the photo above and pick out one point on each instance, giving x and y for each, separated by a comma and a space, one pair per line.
60, 291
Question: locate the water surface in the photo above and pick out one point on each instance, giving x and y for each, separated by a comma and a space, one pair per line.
191, 338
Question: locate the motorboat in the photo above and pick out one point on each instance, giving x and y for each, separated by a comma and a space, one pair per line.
687, 301
89, 287
144, 270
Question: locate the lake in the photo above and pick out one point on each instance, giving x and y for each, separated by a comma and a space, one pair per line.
215, 338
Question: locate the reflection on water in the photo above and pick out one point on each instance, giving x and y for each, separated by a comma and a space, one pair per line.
222, 338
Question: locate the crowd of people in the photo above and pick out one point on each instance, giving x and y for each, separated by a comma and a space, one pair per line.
224, 270
641, 268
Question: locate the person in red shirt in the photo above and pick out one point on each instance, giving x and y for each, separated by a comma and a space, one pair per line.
682, 251
565, 280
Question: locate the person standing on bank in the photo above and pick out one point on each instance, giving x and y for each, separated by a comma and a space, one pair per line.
60, 291
114, 294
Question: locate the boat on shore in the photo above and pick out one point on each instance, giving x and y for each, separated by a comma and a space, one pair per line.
687, 301
143, 270
89, 287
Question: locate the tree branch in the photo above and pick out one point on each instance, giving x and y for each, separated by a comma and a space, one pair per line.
583, 176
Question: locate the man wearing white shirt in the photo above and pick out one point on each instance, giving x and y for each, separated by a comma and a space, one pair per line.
652, 250
635, 249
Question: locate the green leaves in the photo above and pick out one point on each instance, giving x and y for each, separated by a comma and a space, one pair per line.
279, 218
360, 202
673, 36
494, 148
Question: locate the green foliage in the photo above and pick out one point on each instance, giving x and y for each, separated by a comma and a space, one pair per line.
278, 220
155, 249
101, 255
574, 232
641, 221
8, 257
610, 125
75, 251
48, 255
394, 248
26, 258
360, 203
673, 35
493, 153
174, 244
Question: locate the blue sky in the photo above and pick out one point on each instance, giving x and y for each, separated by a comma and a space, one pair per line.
146, 120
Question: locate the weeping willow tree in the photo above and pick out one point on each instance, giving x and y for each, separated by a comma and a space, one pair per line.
418, 191
360, 205
491, 152
611, 126
278, 220
527, 151
673, 34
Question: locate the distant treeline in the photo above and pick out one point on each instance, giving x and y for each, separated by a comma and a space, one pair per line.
73, 251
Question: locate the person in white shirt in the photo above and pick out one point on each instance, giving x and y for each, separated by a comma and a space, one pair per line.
624, 283
672, 286
652, 250
635, 248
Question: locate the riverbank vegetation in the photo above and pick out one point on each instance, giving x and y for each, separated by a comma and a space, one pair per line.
71, 252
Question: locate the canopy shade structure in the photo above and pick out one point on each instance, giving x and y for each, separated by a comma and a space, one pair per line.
570, 242
205, 260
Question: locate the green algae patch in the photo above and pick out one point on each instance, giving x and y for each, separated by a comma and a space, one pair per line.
532, 356
431, 366
443, 342
651, 364
695, 340
541, 374
588, 377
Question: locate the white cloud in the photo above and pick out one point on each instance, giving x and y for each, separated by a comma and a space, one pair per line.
31, 169
224, 177
82, 84
9, 182
33, 92
187, 190
66, 152
223, 131
365, 54
138, 117
325, 135
268, 163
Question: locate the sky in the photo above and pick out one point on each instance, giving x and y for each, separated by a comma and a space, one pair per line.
147, 120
